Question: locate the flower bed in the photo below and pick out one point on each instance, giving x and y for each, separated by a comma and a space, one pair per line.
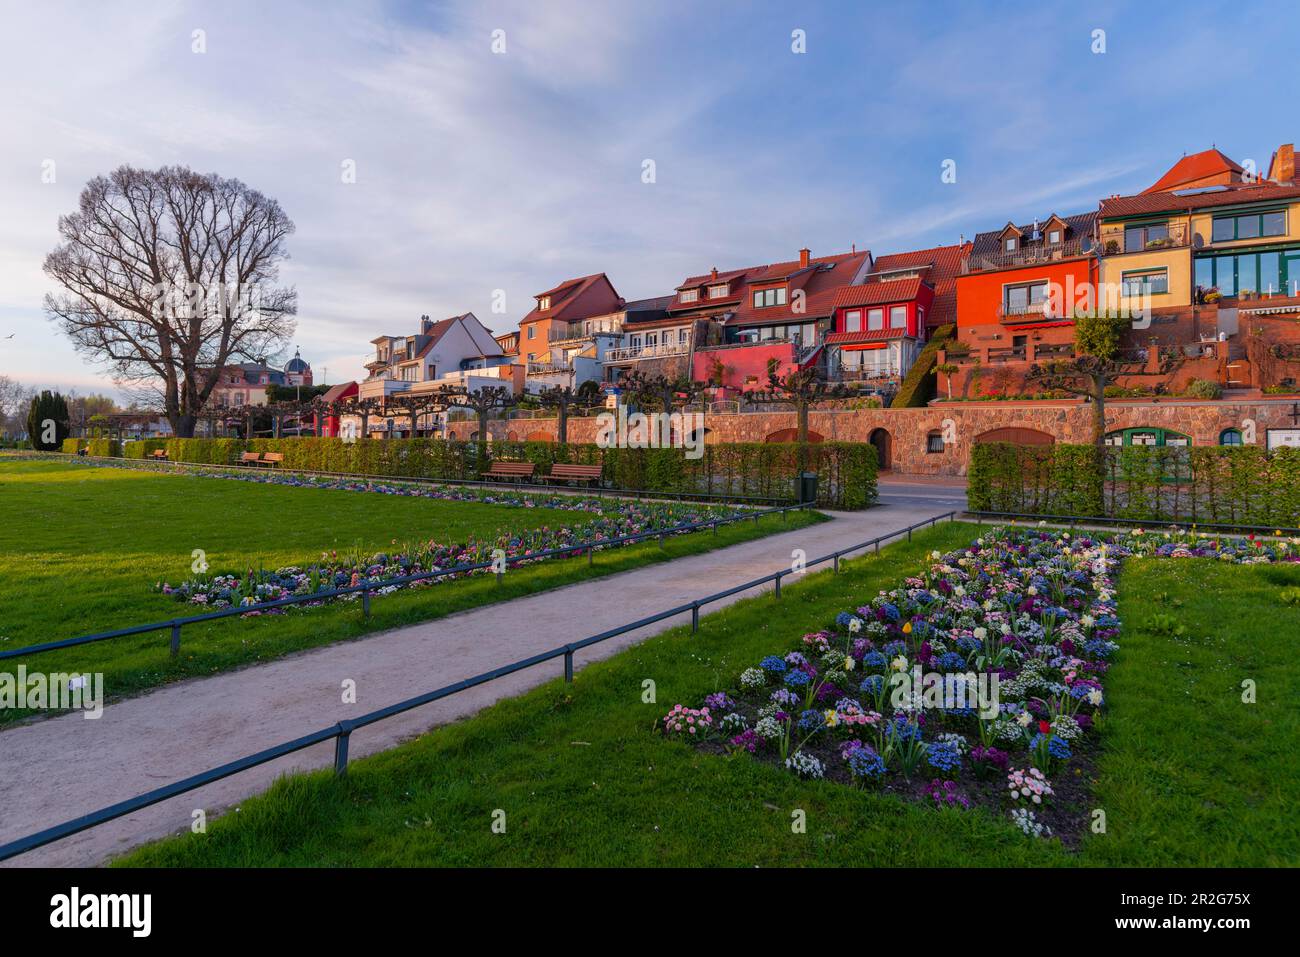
979, 683
334, 570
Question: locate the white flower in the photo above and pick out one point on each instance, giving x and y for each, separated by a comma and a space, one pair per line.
982, 633
855, 625
899, 663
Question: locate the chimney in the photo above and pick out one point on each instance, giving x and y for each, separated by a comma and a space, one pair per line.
714, 273
1282, 169
804, 255
854, 248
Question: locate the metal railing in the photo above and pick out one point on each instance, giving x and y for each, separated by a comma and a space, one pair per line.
365, 589
625, 353
1030, 255
1269, 531
341, 732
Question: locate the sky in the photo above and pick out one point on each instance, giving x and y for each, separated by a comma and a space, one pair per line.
503, 146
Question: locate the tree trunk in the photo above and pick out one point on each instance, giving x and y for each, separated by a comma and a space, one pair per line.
803, 436
562, 423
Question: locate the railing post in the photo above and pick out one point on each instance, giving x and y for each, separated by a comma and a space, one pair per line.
909, 533
778, 584
837, 563
695, 617
661, 539
365, 603
590, 552
176, 639
568, 664
341, 749
877, 543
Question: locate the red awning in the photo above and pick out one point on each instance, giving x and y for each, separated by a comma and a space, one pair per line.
863, 346
1015, 327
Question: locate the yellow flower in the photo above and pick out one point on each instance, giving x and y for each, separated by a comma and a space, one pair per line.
907, 628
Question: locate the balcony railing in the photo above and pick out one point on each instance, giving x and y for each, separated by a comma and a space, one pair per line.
625, 353
1179, 235
578, 331
549, 368
1028, 255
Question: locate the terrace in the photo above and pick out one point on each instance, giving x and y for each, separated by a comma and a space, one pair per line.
1029, 255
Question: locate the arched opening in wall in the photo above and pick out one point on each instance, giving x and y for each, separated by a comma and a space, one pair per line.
473, 436
539, 437
1230, 437
883, 442
512, 437
1017, 436
451, 436
792, 435
698, 436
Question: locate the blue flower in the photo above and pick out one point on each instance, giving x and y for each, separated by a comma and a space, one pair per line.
872, 684
812, 720
904, 729
773, 664
866, 763
797, 679
874, 659
951, 661
890, 611
943, 756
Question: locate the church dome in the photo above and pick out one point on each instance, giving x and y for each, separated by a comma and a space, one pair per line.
297, 364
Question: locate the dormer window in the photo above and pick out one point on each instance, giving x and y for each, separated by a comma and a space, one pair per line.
720, 290
1009, 244
1054, 237
543, 302
690, 295
764, 298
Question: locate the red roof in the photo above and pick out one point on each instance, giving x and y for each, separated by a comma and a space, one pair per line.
565, 295
1235, 195
867, 335
878, 292
945, 266
819, 280
1195, 168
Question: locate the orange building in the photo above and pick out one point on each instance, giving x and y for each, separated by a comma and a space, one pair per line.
1021, 285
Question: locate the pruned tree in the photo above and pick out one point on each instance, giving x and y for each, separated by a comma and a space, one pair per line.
166, 276
801, 390
948, 370
565, 399
660, 392
483, 401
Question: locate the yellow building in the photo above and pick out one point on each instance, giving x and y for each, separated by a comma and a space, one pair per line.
1176, 244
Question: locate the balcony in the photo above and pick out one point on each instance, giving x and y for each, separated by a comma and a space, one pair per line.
583, 331
548, 368
1038, 254
1116, 243
634, 353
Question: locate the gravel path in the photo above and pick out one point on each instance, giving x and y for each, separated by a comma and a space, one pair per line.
56, 769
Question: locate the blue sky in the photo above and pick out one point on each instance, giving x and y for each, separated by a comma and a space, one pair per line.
479, 171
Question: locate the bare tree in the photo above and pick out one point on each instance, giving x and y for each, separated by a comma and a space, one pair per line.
15, 400
483, 401
166, 276
659, 392
801, 390
565, 399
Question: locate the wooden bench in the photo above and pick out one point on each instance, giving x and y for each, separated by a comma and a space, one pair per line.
159, 454
563, 472
250, 458
272, 459
510, 470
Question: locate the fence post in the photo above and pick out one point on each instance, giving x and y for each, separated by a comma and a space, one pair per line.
777, 578
837, 563
877, 543
568, 664
365, 603
176, 639
695, 617
590, 552
341, 749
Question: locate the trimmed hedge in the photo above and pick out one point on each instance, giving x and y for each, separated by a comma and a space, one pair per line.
72, 446
1236, 485
108, 448
915, 389
142, 448
846, 470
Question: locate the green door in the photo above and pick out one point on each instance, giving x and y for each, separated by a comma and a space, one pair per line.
1291, 273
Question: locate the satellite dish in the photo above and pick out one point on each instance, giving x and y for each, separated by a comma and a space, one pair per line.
1198, 241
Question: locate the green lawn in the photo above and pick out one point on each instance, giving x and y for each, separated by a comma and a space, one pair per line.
81, 548
1190, 775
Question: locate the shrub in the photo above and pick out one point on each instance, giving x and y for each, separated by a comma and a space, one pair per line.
915, 390
142, 448
46, 408
1203, 389
108, 448
71, 446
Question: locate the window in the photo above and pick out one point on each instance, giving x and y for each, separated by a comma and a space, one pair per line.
1146, 282
690, 295
898, 317
1054, 237
636, 342
651, 340
544, 302
853, 320
532, 331
769, 297
718, 291
1010, 244
1249, 226
1137, 238
1018, 300
681, 335
934, 443
875, 318
1230, 437
1233, 275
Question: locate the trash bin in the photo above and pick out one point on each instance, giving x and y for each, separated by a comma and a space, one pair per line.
807, 487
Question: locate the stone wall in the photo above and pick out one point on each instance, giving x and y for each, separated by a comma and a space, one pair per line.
904, 434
